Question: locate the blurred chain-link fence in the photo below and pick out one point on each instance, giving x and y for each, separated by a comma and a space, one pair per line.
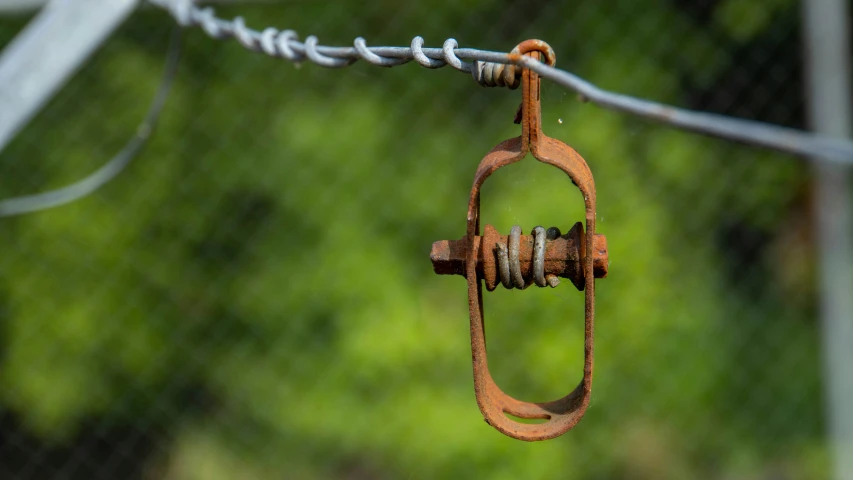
253, 297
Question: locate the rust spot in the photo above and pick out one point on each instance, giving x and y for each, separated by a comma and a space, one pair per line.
514, 57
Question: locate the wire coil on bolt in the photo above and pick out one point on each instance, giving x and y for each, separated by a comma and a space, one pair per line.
509, 264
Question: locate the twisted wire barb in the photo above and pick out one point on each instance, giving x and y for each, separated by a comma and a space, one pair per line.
491, 69
285, 44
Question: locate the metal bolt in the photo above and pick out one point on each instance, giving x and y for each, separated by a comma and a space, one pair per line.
562, 256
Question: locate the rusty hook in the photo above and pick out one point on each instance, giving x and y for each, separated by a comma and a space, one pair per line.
578, 255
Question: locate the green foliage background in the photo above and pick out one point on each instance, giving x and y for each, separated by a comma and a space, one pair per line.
253, 298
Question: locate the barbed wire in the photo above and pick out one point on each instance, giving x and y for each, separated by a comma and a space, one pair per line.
488, 68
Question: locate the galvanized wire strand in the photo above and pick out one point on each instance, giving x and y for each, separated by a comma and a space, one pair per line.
539, 256
509, 262
102, 176
490, 68
285, 44
514, 241
503, 264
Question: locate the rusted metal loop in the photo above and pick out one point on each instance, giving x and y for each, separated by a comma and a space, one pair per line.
562, 414
531, 109
565, 413
534, 45
491, 74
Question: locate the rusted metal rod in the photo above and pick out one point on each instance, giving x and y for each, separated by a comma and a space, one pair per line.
562, 256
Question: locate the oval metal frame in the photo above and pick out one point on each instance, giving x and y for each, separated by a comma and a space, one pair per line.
563, 414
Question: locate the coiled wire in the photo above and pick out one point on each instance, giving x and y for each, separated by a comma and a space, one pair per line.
509, 264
